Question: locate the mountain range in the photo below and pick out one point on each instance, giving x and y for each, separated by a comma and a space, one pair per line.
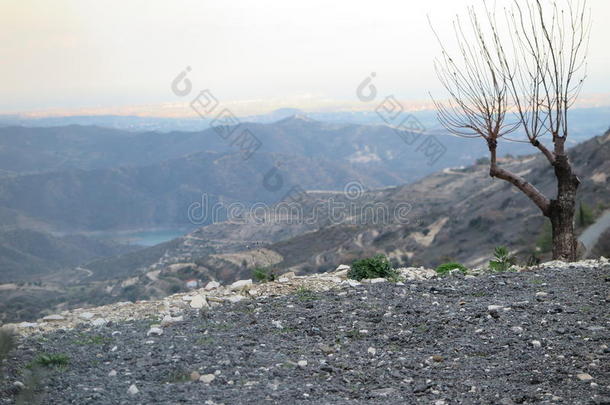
66, 184
83, 179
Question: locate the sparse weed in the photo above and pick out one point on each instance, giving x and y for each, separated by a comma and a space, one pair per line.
354, 334
204, 341
445, 268
305, 294
85, 339
178, 376
59, 360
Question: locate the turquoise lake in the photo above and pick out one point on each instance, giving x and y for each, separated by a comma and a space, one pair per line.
147, 238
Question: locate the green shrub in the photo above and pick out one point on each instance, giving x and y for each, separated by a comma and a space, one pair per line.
503, 259
50, 360
262, 275
445, 268
373, 267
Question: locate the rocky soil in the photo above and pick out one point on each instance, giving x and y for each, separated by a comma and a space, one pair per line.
539, 335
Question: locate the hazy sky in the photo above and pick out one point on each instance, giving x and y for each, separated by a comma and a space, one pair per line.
85, 53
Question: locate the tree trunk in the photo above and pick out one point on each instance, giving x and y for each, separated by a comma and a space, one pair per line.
562, 210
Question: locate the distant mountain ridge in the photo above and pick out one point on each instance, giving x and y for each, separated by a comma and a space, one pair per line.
58, 176
455, 214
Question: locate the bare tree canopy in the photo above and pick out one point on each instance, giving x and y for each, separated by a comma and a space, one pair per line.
515, 74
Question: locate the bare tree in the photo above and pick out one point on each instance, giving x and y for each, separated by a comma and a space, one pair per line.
522, 74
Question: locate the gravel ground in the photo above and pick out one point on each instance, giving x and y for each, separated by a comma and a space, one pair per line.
530, 337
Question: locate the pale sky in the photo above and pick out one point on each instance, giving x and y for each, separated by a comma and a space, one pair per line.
114, 53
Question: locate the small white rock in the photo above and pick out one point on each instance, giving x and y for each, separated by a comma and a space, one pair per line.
541, 294
492, 308
517, 329
154, 331
584, 377
86, 316
277, 324
212, 285
169, 320
19, 384
50, 318
302, 363
235, 298
99, 322
133, 390
112, 373
377, 280
241, 285
207, 378
198, 302
536, 343
372, 351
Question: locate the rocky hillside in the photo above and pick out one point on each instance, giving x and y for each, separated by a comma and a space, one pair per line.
32, 254
535, 335
455, 214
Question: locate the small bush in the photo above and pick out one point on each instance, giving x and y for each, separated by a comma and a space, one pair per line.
50, 360
373, 267
503, 259
445, 268
262, 275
